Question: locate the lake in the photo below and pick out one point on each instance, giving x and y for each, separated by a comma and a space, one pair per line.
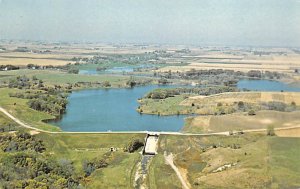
115, 109
266, 85
124, 69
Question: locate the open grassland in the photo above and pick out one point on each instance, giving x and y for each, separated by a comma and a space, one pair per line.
254, 160
119, 175
226, 103
249, 97
242, 121
168, 106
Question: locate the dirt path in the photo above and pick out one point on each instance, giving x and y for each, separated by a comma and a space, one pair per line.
20, 122
169, 160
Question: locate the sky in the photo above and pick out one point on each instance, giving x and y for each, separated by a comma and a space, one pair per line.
198, 22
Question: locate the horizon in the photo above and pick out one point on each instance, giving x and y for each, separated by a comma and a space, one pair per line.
267, 23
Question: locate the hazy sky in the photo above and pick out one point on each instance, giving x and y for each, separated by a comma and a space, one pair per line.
201, 22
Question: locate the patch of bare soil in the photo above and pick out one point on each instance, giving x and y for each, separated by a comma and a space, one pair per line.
295, 132
33, 132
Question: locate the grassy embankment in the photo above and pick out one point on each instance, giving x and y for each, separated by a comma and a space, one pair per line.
257, 161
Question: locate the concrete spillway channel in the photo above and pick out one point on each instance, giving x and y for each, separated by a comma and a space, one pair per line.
149, 151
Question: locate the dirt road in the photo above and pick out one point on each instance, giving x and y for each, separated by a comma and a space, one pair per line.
169, 160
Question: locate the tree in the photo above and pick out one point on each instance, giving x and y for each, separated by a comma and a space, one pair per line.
133, 145
73, 71
251, 113
106, 84
241, 104
270, 130
131, 82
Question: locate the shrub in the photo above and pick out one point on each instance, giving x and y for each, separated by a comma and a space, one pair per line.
134, 145
106, 84
73, 71
270, 130
251, 113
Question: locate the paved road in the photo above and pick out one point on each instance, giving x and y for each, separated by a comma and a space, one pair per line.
21, 123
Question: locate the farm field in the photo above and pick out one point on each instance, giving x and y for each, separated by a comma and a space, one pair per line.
244, 60
261, 120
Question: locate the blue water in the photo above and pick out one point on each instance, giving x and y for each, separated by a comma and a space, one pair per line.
124, 69
113, 110
266, 85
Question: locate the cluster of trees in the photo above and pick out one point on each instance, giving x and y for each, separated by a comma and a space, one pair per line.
218, 76
21, 141
165, 93
23, 164
133, 145
26, 95
52, 104
73, 70
8, 67
279, 106
52, 99
33, 170
24, 82
132, 82
33, 66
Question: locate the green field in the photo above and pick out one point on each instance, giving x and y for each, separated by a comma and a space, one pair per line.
168, 106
